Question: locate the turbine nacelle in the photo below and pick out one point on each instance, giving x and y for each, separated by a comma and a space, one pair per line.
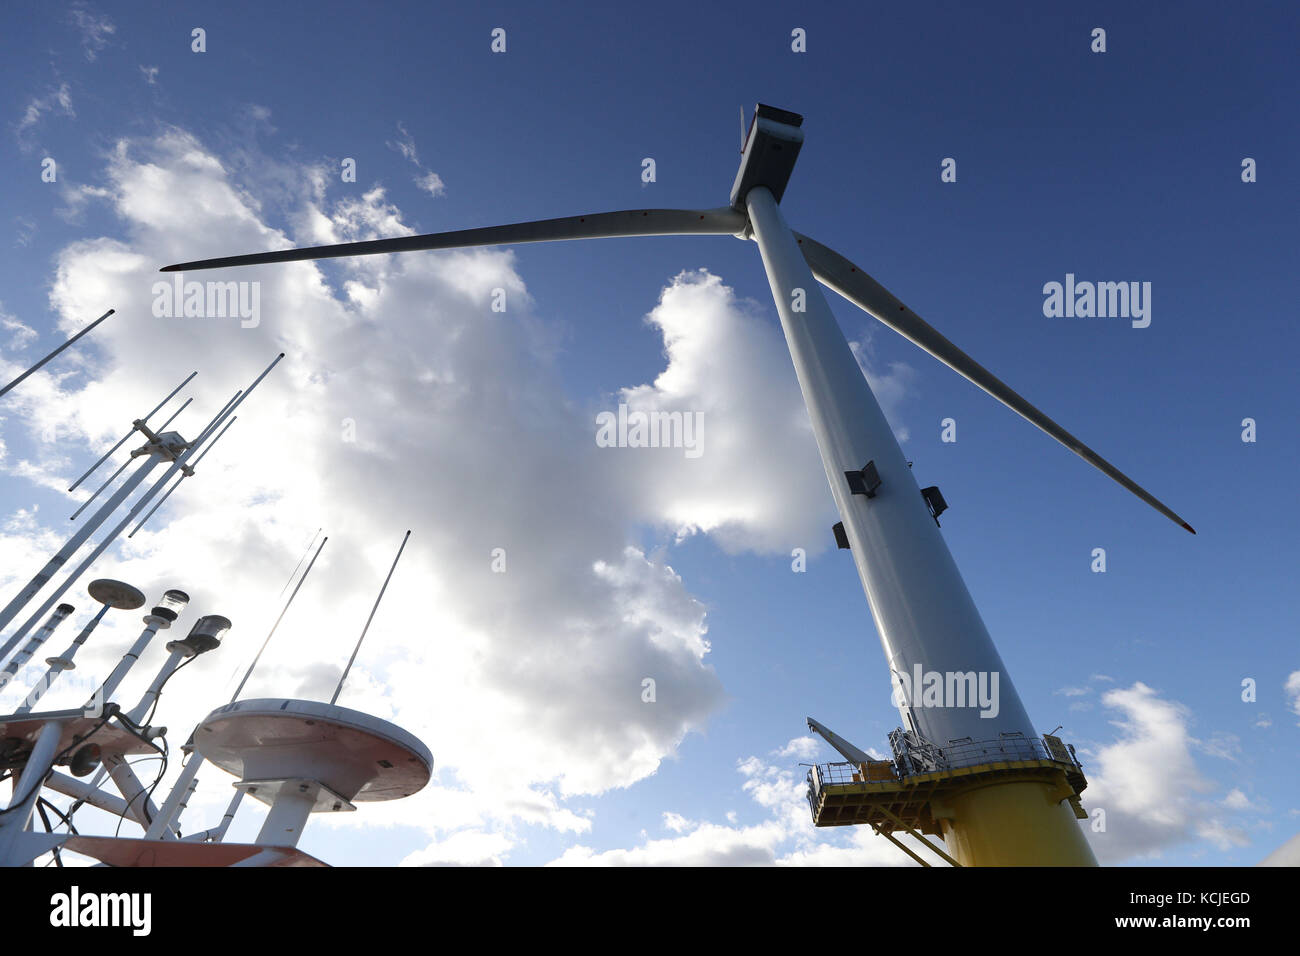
768, 159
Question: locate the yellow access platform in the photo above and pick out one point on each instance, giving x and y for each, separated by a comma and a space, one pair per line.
984, 799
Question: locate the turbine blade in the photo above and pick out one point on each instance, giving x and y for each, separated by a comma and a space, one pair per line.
835, 272
605, 225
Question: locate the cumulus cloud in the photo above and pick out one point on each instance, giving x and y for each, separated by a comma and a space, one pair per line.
677, 823
431, 183
757, 483
784, 836
1147, 782
1292, 690
804, 748
463, 848
1236, 800
406, 401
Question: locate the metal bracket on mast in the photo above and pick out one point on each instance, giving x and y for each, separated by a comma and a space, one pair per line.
934, 501
864, 482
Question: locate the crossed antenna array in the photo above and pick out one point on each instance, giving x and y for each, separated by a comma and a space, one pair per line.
161, 448
283, 825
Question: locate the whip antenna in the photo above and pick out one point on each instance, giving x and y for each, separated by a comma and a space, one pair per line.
248, 673
305, 552
370, 618
56, 351
177, 457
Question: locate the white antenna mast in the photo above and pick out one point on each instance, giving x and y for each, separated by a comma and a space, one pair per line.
109, 594
156, 452
258, 656
40, 637
306, 551
348, 756
166, 447
346, 669
74, 543
166, 818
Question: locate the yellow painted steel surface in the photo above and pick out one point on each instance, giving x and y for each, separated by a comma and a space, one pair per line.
1017, 823
1006, 813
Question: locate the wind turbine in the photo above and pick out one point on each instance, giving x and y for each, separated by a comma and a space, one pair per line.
926, 619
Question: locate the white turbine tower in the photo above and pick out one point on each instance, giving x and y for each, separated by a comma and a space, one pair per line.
993, 792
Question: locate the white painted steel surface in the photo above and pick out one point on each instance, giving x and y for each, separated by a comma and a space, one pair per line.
920, 604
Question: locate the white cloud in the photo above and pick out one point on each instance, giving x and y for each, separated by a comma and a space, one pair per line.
804, 748
526, 685
150, 74
405, 145
784, 837
426, 179
758, 482
1292, 690
17, 336
1236, 800
678, 823
25, 229
1221, 744
1148, 784
463, 848
55, 100
96, 29
891, 387
431, 183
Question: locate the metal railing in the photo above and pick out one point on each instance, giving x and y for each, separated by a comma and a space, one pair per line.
1008, 747
914, 755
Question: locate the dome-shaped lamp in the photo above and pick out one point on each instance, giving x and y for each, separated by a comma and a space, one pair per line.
204, 636
170, 607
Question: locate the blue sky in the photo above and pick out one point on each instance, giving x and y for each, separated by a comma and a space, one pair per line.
1115, 166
